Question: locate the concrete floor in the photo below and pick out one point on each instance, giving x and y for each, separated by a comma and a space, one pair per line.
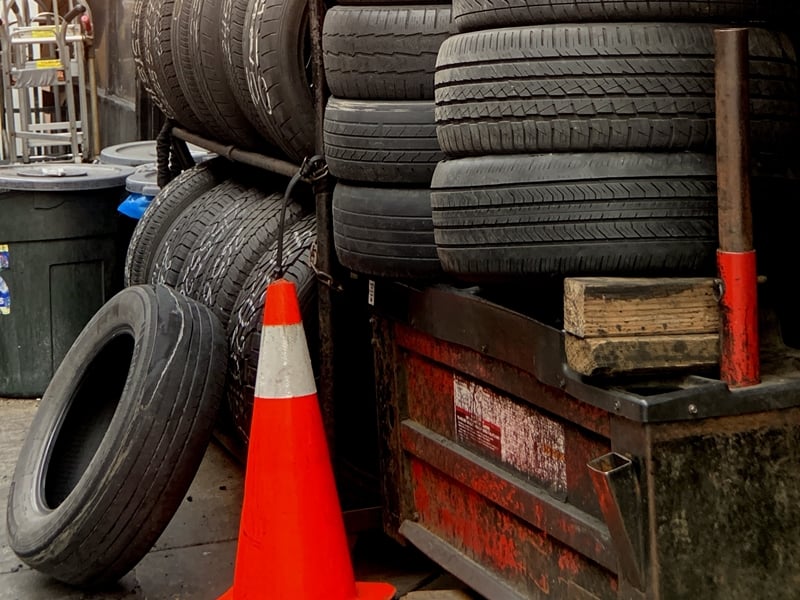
195, 555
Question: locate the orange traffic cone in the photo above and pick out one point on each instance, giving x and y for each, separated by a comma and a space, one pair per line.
292, 542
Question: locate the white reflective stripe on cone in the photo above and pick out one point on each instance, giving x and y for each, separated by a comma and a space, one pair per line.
284, 365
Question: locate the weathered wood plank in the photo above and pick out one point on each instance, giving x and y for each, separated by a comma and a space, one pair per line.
622, 307
614, 355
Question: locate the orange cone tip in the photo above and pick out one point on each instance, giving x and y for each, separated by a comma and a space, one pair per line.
281, 306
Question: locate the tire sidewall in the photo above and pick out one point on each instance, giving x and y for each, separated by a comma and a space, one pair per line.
31, 525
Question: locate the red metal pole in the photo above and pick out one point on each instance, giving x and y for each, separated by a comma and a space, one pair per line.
736, 258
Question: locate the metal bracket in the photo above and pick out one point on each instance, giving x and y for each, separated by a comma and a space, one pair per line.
324, 278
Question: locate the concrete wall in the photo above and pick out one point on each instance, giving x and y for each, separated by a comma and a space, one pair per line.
116, 72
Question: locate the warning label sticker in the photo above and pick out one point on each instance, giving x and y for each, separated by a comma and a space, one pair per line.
513, 433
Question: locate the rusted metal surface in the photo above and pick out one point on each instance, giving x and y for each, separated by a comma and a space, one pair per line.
619, 491
550, 449
733, 135
254, 159
529, 561
500, 374
736, 260
476, 575
726, 494
532, 504
390, 397
740, 364
487, 464
516, 340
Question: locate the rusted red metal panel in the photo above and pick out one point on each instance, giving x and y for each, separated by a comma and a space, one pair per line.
582, 532
544, 448
503, 376
526, 558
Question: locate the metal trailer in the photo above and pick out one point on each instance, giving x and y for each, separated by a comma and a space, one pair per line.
527, 480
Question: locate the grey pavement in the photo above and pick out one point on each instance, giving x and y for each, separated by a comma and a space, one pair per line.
194, 557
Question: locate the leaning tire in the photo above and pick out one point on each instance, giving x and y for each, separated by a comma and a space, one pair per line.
603, 87
499, 218
244, 327
385, 52
385, 232
118, 437
162, 212
471, 15
381, 141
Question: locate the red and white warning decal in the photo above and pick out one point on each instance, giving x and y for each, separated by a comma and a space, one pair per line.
514, 433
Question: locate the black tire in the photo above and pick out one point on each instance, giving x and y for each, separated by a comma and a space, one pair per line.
385, 52
385, 232
160, 65
472, 15
500, 218
195, 41
221, 259
232, 39
244, 327
118, 437
276, 50
537, 89
190, 226
139, 44
165, 208
381, 141
386, 2
209, 64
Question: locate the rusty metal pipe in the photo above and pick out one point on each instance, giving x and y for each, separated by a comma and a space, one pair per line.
733, 147
326, 257
254, 159
736, 259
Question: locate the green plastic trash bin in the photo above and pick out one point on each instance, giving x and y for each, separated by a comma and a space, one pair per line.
59, 262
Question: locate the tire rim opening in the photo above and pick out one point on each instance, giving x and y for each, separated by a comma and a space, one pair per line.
87, 420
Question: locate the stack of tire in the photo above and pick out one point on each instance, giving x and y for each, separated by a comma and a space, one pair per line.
380, 136
231, 70
211, 234
580, 135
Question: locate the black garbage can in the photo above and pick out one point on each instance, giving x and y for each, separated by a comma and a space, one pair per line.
61, 243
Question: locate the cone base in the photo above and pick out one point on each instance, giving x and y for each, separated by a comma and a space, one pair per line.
374, 591
364, 591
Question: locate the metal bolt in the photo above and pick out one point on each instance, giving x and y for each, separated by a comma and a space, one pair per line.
617, 405
692, 409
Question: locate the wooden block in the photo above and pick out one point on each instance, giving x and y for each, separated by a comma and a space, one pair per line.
614, 355
609, 306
